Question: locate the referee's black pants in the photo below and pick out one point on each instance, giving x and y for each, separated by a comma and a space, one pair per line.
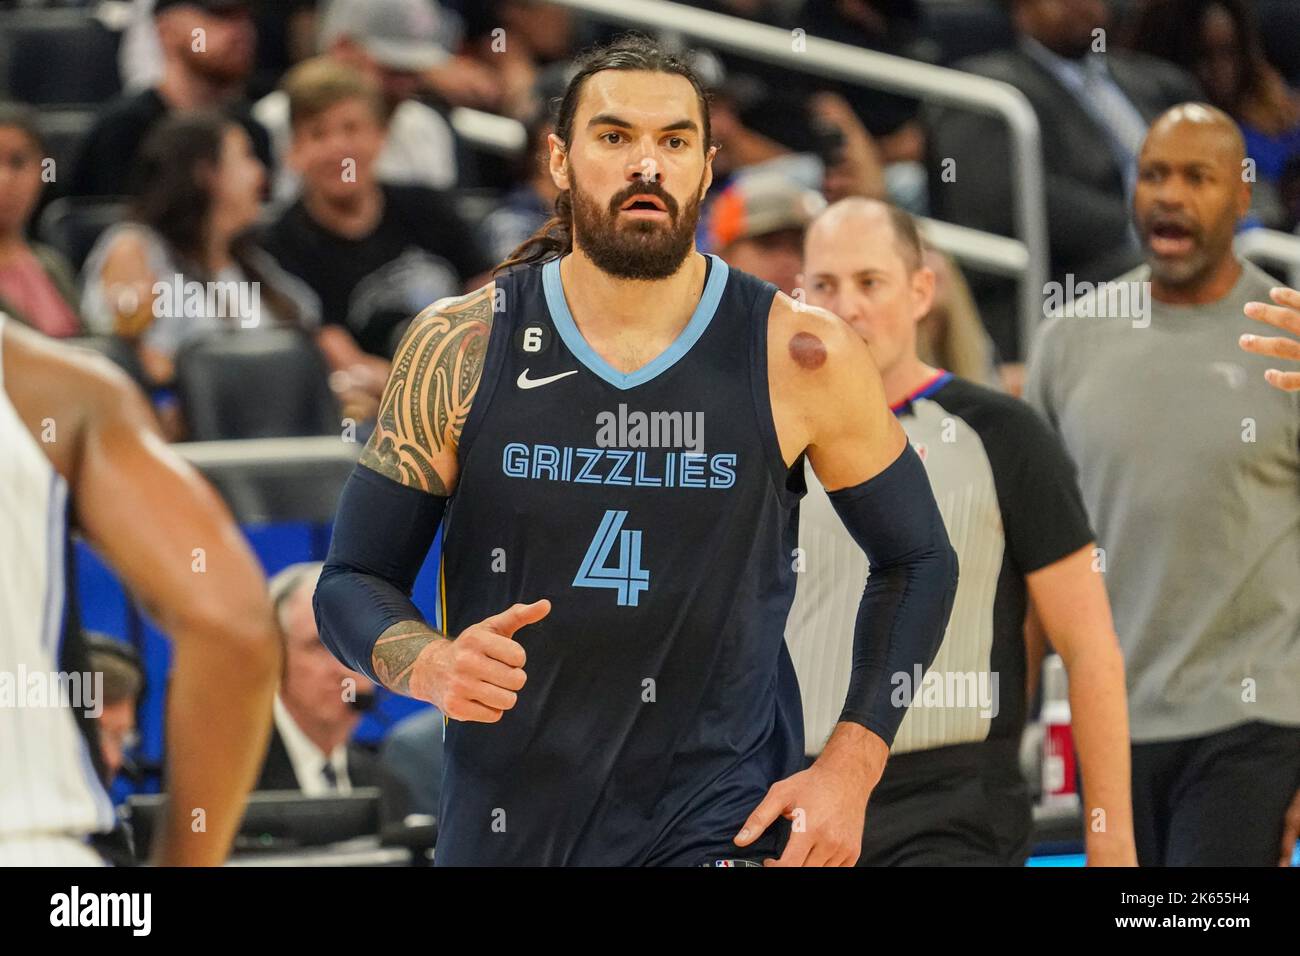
964, 805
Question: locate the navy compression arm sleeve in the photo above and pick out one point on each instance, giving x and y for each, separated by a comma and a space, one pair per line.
894, 518
382, 534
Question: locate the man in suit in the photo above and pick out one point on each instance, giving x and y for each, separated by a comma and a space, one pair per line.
1094, 103
318, 705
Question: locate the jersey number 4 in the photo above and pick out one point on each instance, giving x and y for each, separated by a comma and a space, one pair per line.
627, 577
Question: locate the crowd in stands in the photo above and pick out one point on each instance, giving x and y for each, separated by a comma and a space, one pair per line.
312, 149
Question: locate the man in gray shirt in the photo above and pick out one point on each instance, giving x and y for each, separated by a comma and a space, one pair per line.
1190, 467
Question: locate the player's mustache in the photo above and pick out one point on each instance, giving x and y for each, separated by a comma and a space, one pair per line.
643, 189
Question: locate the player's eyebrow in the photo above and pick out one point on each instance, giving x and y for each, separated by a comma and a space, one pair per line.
609, 119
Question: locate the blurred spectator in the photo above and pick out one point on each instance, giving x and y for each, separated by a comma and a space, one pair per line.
526, 207
951, 335
887, 26
394, 42
199, 194
36, 283
207, 49
757, 225
319, 703
286, 34
410, 768
1190, 470
514, 40
376, 254
123, 685
1219, 42
1093, 104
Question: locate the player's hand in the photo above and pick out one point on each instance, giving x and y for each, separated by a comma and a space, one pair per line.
478, 676
1286, 316
826, 806
1290, 830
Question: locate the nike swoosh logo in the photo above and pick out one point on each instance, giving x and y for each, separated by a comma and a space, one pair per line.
525, 382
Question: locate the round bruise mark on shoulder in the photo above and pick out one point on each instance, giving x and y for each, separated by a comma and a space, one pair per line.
807, 350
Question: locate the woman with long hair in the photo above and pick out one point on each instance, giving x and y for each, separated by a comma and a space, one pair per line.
1219, 42
36, 283
199, 191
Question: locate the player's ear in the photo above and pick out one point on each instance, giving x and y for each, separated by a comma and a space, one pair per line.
708, 170
559, 161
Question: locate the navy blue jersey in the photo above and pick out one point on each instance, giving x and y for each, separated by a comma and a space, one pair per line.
656, 513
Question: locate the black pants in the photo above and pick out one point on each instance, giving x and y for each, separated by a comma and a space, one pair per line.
965, 805
1216, 800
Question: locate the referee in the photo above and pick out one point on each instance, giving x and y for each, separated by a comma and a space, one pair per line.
952, 792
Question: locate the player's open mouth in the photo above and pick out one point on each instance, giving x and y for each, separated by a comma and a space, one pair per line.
1170, 239
645, 206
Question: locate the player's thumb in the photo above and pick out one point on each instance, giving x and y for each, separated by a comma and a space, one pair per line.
517, 616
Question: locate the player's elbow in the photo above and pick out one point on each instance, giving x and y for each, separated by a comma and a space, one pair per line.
341, 594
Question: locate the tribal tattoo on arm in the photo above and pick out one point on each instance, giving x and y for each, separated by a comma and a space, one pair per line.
435, 374
393, 657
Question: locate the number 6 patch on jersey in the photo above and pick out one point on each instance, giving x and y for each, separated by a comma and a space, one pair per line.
627, 577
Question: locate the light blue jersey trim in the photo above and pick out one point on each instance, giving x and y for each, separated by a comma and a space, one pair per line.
568, 329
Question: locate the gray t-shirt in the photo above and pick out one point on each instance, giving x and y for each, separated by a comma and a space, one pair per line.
1189, 463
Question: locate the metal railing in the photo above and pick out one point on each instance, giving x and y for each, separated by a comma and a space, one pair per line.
1270, 247
1025, 256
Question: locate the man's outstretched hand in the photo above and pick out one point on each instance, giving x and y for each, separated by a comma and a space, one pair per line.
1285, 315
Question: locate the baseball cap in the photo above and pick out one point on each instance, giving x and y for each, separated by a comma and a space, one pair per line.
400, 34
760, 203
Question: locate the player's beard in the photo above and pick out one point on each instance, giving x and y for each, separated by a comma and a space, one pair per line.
630, 248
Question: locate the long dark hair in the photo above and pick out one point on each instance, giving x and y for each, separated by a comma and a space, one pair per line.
172, 198
631, 51
1174, 30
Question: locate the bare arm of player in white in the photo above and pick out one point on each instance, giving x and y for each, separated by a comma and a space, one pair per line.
478, 674
174, 544
1285, 315
827, 398
1069, 599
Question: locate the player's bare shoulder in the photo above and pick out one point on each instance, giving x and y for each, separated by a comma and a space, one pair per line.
436, 372
816, 365
806, 341
60, 391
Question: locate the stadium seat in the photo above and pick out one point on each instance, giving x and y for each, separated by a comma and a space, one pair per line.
121, 352
72, 225
50, 57
63, 130
255, 384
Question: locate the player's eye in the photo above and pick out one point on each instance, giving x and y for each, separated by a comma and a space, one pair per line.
676, 142
617, 136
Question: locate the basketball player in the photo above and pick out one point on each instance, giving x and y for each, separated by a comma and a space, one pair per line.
1285, 314
953, 793
81, 446
620, 423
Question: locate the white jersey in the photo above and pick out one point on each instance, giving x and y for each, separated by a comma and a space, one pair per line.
50, 796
